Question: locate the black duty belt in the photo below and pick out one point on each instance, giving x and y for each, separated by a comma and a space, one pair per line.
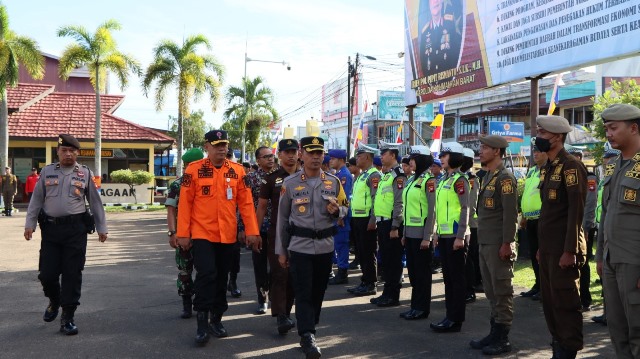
65, 219
312, 233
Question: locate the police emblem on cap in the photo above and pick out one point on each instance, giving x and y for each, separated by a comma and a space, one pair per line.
60, 140
219, 134
289, 142
315, 141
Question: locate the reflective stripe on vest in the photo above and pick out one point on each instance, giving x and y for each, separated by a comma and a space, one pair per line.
599, 203
531, 201
361, 199
415, 204
383, 203
447, 205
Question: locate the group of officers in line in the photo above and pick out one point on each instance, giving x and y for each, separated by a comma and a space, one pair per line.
309, 209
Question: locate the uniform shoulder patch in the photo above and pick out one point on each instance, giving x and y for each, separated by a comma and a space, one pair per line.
186, 180
507, 186
343, 180
431, 185
571, 177
459, 186
400, 182
592, 185
374, 182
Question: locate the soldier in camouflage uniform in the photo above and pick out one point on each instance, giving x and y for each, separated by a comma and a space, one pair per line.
184, 258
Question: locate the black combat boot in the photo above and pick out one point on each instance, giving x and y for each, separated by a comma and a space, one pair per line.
284, 323
479, 344
555, 347
500, 343
216, 328
66, 321
566, 353
232, 287
309, 347
187, 307
51, 313
341, 278
202, 334
9, 213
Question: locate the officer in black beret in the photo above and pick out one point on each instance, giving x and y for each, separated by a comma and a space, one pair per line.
58, 205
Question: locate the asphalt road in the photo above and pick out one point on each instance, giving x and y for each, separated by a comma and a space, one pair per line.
130, 309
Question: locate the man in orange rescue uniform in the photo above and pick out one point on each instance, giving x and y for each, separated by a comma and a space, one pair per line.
212, 189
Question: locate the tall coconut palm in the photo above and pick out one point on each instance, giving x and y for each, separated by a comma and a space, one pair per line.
99, 52
258, 111
191, 73
15, 50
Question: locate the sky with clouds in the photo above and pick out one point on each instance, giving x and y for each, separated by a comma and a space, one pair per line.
315, 37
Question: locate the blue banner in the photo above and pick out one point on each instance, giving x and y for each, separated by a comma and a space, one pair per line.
511, 131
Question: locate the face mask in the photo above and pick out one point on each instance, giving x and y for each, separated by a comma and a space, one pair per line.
543, 144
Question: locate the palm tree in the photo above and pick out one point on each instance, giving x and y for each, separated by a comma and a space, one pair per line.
15, 50
99, 52
191, 73
258, 111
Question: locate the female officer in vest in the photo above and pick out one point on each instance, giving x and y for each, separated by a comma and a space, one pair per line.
419, 199
452, 216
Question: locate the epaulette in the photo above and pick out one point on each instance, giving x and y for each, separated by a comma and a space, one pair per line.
397, 171
275, 168
332, 175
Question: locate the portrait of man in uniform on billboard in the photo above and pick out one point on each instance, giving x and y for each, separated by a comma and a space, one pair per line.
441, 27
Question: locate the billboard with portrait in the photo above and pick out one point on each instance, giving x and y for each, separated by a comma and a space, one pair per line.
457, 46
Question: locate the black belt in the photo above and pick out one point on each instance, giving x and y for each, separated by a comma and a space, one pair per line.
311, 233
64, 220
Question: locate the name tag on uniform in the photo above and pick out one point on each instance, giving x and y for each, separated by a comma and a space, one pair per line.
229, 193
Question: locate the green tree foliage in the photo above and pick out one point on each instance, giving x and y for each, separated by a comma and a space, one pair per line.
99, 52
193, 129
190, 73
15, 50
256, 135
255, 117
132, 178
621, 92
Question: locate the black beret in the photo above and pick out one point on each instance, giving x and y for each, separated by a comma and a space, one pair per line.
69, 141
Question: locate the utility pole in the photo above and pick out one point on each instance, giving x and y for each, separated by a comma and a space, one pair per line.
349, 119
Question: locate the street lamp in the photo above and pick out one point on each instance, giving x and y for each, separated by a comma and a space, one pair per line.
244, 126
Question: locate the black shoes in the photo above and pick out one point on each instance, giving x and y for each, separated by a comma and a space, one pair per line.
51, 313
216, 328
358, 287
470, 298
285, 324
67, 327
387, 302
232, 287
202, 333
600, 319
309, 347
367, 289
416, 315
341, 278
446, 326
187, 307
354, 265
530, 293
262, 308
403, 315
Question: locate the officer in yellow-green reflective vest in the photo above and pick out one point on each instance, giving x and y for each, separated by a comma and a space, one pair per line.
388, 210
363, 220
530, 205
452, 218
419, 200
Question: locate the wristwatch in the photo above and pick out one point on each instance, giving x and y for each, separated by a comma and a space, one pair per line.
171, 233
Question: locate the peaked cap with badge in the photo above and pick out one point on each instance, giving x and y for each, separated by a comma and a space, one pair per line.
452, 147
216, 136
385, 146
312, 143
287, 144
362, 148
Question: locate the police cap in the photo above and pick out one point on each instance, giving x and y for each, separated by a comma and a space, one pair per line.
338, 153
326, 159
312, 143
377, 161
554, 124
611, 153
287, 144
494, 141
216, 136
362, 148
68, 141
385, 146
620, 112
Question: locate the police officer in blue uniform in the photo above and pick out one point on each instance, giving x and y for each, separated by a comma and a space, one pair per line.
58, 205
337, 162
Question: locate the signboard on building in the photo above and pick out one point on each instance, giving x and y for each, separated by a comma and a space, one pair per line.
457, 46
335, 99
89, 152
510, 131
391, 107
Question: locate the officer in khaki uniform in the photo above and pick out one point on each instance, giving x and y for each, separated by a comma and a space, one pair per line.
497, 220
9, 184
58, 205
618, 253
388, 210
562, 245
310, 201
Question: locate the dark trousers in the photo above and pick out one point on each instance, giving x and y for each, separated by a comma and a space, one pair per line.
532, 237
212, 262
261, 269
281, 286
472, 266
419, 267
62, 256
453, 272
235, 258
391, 255
585, 271
367, 246
309, 274
561, 301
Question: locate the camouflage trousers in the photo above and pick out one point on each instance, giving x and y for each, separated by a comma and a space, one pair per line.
184, 262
